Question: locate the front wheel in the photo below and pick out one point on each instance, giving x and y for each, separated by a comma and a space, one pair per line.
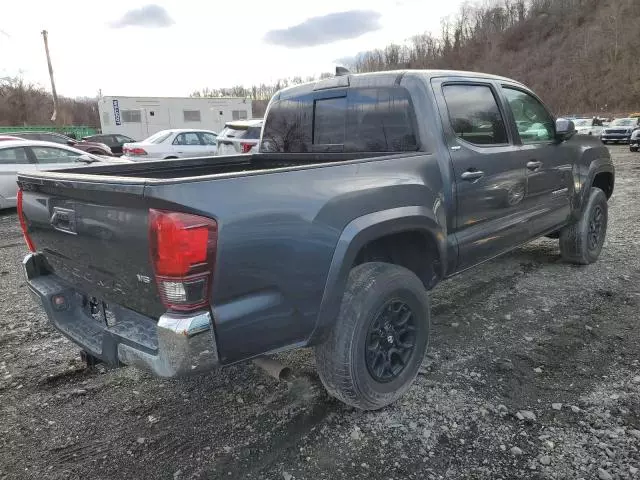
376, 347
633, 149
581, 242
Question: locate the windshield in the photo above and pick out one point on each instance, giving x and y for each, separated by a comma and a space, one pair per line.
158, 137
624, 122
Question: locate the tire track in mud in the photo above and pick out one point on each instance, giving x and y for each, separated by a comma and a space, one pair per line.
260, 456
74, 454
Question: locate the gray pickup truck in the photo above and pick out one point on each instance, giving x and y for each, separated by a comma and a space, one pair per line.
369, 190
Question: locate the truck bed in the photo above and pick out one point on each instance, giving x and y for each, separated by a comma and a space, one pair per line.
206, 166
92, 227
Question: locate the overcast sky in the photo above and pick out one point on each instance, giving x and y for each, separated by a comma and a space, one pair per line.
171, 48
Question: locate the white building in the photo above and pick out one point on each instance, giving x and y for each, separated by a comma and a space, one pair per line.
141, 117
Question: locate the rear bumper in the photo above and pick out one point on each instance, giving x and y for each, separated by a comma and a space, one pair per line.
175, 345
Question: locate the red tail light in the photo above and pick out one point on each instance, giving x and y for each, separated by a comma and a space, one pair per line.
183, 253
23, 223
134, 151
246, 147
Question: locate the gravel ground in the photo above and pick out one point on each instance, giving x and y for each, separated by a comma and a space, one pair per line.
532, 373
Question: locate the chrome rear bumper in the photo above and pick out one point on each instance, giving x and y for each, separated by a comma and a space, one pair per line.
175, 345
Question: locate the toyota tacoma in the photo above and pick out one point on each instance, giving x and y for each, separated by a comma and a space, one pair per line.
368, 191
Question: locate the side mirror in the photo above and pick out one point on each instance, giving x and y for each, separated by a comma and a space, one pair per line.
565, 129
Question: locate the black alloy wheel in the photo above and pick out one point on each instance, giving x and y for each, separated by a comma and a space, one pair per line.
391, 340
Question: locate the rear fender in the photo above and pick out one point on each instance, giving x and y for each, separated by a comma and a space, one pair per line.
360, 232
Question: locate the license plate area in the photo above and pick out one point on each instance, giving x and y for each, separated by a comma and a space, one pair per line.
228, 149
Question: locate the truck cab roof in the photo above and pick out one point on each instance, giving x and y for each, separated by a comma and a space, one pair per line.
388, 78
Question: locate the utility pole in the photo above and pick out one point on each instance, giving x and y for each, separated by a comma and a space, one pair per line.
53, 85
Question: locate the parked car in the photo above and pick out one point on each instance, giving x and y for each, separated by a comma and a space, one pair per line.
172, 144
32, 156
94, 148
619, 130
240, 136
588, 126
114, 142
368, 191
634, 141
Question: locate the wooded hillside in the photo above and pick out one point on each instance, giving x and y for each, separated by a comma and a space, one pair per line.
23, 103
581, 56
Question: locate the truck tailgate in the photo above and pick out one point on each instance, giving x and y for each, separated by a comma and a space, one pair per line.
94, 236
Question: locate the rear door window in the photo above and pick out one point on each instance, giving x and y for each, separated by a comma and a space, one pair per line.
12, 156
474, 114
381, 120
208, 138
187, 138
54, 155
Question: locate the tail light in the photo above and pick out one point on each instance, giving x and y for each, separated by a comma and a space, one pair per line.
136, 151
246, 147
183, 253
23, 223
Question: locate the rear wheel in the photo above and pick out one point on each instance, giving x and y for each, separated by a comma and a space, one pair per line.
376, 347
633, 149
582, 241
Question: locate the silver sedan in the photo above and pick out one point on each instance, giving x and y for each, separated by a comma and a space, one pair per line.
29, 155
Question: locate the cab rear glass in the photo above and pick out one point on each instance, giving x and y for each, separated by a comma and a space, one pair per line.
380, 119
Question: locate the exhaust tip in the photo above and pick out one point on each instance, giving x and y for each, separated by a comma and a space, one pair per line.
274, 368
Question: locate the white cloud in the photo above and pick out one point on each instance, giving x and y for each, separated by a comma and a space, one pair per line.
149, 16
326, 29
208, 45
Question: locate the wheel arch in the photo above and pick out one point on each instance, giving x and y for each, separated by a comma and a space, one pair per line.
601, 174
415, 222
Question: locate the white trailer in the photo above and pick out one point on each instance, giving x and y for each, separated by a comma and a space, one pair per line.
141, 117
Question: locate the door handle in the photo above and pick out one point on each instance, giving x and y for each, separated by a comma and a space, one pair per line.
534, 165
471, 175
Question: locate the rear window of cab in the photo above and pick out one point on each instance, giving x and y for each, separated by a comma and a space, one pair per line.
380, 119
